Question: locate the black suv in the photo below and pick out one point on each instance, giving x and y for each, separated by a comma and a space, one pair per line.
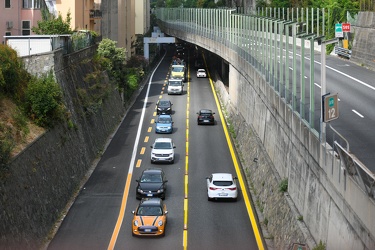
164, 107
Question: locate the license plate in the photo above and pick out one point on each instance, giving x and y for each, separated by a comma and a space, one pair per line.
147, 230
149, 194
205, 120
223, 194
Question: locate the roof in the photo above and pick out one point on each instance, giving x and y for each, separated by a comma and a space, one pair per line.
153, 170
222, 177
205, 111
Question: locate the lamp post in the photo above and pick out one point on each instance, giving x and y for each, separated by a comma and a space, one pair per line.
323, 83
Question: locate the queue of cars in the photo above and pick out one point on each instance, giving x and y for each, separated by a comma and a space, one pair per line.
150, 216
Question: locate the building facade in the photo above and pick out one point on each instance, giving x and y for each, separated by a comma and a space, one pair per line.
19, 16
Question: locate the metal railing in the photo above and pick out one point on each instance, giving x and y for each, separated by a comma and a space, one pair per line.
269, 44
343, 52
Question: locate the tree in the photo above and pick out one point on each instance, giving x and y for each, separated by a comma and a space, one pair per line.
51, 25
173, 3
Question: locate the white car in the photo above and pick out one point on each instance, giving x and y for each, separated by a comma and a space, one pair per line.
162, 150
201, 73
221, 185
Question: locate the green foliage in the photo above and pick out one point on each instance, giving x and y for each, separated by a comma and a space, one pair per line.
320, 246
44, 101
283, 186
13, 77
173, 3
6, 146
108, 49
300, 218
51, 25
92, 98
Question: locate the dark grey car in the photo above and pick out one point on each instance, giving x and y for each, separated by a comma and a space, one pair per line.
152, 183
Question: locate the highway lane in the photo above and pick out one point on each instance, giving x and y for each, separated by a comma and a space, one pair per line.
356, 90
100, 217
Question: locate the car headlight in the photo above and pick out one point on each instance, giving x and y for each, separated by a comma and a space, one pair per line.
161, 190
140, 190
136, 223
160, 223
168, 108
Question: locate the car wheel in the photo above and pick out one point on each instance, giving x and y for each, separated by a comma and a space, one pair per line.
172, 161
208, 198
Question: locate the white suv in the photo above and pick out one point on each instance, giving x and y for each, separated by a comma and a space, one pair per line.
162, 150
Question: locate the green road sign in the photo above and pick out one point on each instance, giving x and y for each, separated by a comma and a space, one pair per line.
330, 107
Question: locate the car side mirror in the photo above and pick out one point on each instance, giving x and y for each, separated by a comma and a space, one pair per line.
207, 177
151, 146
165, 212
213, 113
133, 212
137, 180
166, 181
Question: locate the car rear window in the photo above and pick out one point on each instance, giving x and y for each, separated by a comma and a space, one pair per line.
223, 183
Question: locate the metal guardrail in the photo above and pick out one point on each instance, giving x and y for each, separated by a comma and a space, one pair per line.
343, 52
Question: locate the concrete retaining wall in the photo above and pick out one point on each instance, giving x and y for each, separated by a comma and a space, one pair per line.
40, 183
363, 51
323, 203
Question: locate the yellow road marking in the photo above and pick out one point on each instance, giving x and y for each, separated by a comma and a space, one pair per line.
152, 121
238, 172
160, 96
146, 139
149, 129
120, 218
154, 114
143, 149
139, 162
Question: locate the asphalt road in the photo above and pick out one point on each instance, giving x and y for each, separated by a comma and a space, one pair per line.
100, 217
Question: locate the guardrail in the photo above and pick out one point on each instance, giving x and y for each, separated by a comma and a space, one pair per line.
343, 52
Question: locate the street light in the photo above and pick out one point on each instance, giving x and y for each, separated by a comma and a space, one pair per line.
323, 82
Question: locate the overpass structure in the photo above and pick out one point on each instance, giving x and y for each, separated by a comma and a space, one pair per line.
328, 186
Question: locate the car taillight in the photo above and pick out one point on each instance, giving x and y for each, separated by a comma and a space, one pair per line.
232, 189
213, 188
200, 117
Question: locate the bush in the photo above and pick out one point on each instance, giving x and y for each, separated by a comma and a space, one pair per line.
44, 101
6, 146
283, 186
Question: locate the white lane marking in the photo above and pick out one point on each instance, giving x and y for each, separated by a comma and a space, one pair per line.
339, 72
134, 154
356, 112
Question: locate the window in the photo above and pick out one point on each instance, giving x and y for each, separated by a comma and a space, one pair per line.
8, 33
7, 3
26, 28
32, 4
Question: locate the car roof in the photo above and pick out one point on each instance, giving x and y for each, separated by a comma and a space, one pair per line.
164, 102
222, 177
201, 70
205, 111
151, 202
153, 171
163, 140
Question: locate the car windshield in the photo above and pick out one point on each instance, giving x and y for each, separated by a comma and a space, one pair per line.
223, 183
149, 211
178, 69
164, 104
174, 83
151, 178
162, 145
164, 120
201, 70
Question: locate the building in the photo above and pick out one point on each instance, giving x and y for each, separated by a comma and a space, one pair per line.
119, 22
85, 14
18, 17
142, 16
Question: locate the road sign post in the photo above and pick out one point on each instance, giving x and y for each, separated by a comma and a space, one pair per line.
330, 107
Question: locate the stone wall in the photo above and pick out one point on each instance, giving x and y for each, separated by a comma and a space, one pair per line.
363, 51
42, 179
